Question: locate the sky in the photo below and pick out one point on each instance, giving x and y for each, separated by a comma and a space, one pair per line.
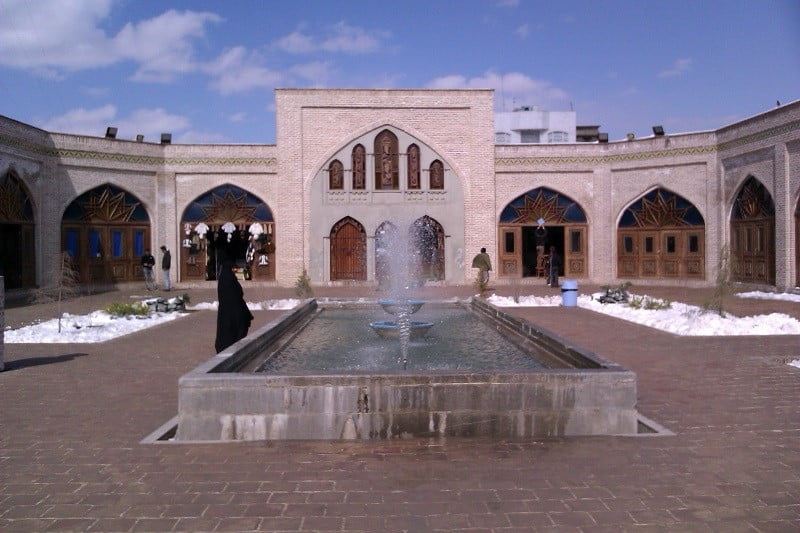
206, 71
679, 319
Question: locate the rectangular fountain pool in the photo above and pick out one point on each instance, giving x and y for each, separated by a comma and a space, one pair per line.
479, 372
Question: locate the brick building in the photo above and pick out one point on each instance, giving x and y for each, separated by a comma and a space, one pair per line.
350, 166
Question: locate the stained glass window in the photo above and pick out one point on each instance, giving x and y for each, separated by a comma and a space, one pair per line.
227, 203
661, 208
544, 204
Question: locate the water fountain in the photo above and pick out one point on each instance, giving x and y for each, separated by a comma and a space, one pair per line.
319, 373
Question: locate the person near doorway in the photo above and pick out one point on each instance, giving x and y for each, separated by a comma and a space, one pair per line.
483, 263
166, 263
148, 262
555, 265
233, 316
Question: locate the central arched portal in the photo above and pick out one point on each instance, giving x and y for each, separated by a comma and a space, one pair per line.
534, 222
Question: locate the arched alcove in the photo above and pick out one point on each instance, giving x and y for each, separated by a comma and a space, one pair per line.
348, 250
17, 224
533, 222
753, 234
661, 235
106, 230
227, 222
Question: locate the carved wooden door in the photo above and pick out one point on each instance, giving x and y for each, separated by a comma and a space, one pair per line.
348, 251
575, 252
510, 257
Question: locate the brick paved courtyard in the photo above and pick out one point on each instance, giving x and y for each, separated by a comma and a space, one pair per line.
72, 418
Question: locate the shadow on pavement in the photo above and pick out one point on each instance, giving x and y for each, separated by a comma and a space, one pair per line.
36, 361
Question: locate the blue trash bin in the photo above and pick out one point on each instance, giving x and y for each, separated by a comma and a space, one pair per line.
569, 293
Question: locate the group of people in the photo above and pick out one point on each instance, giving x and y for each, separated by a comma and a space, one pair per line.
483, 263
149, 262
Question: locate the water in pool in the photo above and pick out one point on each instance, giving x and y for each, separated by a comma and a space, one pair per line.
341, 341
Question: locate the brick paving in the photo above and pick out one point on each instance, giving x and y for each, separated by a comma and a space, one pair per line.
72, 418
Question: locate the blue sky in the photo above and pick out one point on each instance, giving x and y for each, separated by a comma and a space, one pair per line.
205, 71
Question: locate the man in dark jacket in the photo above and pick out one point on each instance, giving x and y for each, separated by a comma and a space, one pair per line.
148, 262
166, 263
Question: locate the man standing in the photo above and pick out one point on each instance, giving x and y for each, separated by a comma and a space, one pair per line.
148, 262
555, 265
166, 263
483, 262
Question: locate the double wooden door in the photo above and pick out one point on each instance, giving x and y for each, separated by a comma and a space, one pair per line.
348, 251
667, 253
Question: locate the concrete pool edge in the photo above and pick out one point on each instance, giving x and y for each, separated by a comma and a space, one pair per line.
217, 405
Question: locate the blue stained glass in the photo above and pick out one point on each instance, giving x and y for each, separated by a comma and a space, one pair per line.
138, 243
95, 247
197, 210
71, 244
116, 244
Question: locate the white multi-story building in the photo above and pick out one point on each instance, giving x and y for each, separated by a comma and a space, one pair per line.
530, 125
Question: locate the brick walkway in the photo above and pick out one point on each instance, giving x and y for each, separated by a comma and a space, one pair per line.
72, 418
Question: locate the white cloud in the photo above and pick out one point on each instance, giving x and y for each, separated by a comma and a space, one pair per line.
296, 43
522, 31
162, 46
238, 117
341, 38
679, 67
83, 121
511, 86
317, 72
237, 70
52, 36
350, 39
200, 137
149, 122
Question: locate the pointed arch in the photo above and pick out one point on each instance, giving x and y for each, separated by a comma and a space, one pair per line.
533, 222
359, 166
753, 234
106, 230
17, 233
797, 243
336, 175
387, 168
427, 243
436, 172
413, 166
227, 222
661, 235
348, 242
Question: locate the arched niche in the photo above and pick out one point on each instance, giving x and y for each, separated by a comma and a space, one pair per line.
17, 230
348, 253
752, 245
533, 222
106, 230
661, 235
227, 222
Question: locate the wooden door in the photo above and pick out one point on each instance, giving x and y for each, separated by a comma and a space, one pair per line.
752, 250
348, 251
627, 254
510, 257
672, 256
575, 252
648, 254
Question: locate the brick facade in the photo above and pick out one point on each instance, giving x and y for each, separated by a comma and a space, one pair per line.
312, 125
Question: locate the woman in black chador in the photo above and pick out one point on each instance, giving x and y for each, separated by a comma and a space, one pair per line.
233, 316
